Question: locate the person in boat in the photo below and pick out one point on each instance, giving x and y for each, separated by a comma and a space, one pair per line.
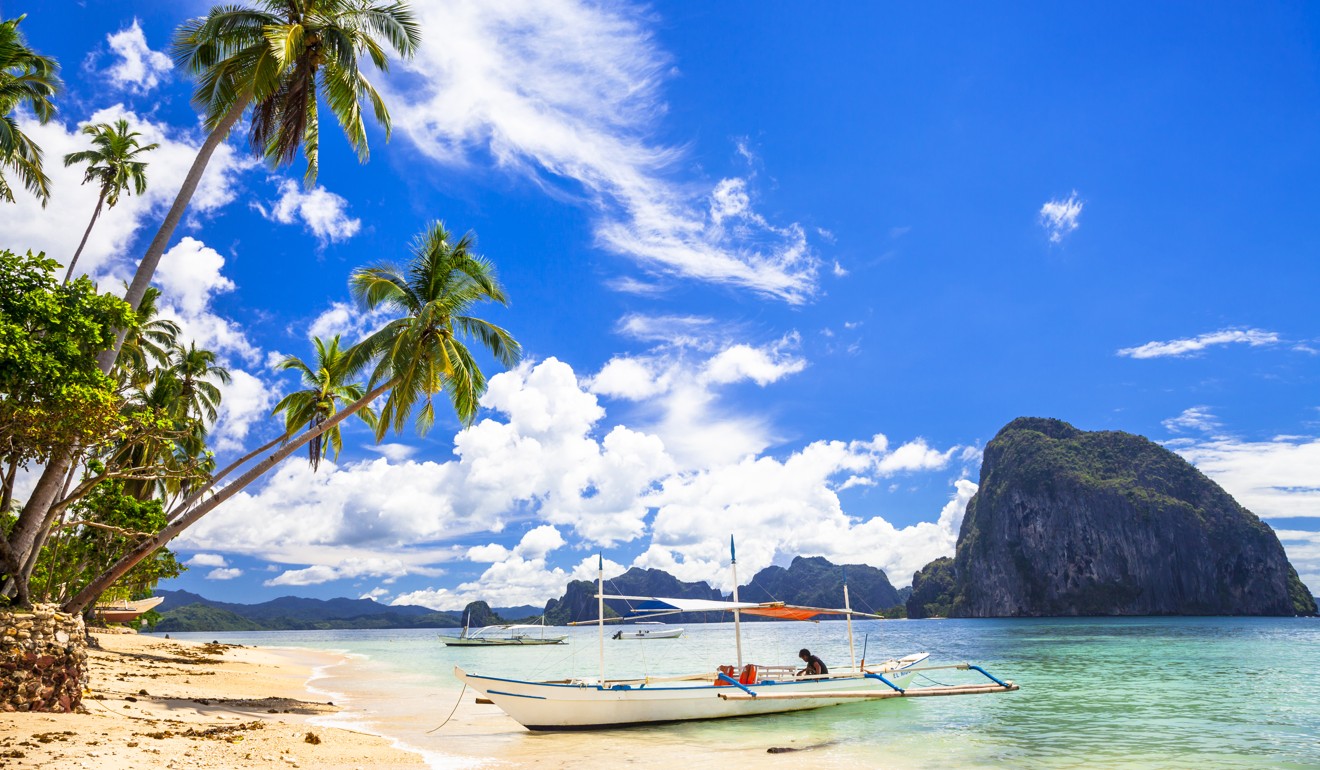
815, 666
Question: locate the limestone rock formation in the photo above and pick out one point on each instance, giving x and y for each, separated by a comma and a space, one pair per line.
1068, 522
817, 582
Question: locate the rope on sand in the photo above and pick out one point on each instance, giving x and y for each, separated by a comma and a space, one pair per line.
451, 713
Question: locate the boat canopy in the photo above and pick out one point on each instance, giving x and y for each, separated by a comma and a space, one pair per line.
653, 606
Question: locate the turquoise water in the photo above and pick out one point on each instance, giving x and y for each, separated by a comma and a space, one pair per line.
1111, 693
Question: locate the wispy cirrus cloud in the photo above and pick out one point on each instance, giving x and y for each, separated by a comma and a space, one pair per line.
570, 92
1192, 419
1190, 346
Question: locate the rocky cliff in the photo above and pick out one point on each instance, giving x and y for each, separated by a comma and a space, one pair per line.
933, 589
817, 582
1068, 522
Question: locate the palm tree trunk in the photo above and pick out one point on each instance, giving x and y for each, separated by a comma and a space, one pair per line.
95, 215
120, 568
33, 515
42, 534
147, 267
195, 496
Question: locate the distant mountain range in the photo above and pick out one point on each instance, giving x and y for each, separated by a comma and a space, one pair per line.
812, 581
186, 611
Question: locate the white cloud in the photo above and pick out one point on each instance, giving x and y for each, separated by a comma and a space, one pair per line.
348, 321
138, 69
394, 452
547, 461
112, 252
1188, 346
1277, 478
570, 92
244, 402
669, 330
224, 574
207, 560
1195, 418
1059, 217
376, 594
189, 276
348, 568
323, 213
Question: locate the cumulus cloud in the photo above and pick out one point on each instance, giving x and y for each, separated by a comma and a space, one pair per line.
110, 253
224, 573
323, 213
207, 560
1193, 419
1274, 479
545, 460
390, 569
1059, 217
348, 321
570, 92
1189, 346
138, 68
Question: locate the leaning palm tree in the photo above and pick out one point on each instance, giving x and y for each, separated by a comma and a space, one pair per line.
281, 59
418, 355
199, 397
26, 78
113, 164
150, 341
326, 388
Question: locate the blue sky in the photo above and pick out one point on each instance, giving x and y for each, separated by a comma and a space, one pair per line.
778, 269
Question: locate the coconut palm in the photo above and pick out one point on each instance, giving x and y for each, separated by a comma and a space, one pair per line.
26, 78
419, 354
113, 163
326, 389
195, 368
150, 341
281, 58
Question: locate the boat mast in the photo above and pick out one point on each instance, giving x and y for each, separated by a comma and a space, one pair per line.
600, 612
737, 620
848, 606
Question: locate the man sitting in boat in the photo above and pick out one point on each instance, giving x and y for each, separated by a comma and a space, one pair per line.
815, 666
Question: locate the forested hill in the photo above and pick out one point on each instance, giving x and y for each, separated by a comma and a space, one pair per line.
185, 611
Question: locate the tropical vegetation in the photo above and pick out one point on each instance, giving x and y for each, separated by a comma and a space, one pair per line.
27, 80
114, 164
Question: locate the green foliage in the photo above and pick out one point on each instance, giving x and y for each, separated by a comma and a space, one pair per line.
280, 56
52, 393
113, 163
327, 382
933, 589
422, 352
27, 79
1302, 601
199, 617
103, 526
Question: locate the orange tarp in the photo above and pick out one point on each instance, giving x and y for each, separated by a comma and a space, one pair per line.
784, 613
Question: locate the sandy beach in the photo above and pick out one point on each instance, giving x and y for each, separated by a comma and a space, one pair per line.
166, 703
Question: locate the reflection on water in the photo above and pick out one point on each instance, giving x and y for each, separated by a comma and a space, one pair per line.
1108, 692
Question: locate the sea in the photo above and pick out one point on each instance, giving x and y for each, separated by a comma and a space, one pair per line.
1096, 693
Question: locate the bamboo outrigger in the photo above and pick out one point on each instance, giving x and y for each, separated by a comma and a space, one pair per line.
748, 689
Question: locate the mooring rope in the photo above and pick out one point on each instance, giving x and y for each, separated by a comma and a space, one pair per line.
452, 712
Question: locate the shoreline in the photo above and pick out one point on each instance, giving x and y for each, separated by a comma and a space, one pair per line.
160, 702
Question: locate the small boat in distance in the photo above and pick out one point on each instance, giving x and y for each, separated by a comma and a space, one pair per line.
124, 611
509, 635
662, 632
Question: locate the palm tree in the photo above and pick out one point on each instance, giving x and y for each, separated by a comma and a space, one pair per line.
149, 341
419, 353
280, 59
28, 78
114, 165
326, 389
199, 398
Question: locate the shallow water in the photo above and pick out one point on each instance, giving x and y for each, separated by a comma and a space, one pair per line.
1096, 692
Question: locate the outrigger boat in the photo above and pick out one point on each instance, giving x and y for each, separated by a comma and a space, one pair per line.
662, 632
728, 691
125, 611
502, 636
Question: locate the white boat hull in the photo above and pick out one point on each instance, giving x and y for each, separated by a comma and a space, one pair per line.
587, 706
646, 634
